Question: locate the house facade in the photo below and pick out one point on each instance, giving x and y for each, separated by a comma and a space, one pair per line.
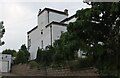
51, 24
5, 62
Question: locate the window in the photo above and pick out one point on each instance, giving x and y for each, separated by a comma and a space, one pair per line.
5, 56
42, 44
29, 43
41, 31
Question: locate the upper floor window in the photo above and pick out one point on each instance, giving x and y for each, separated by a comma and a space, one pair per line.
29, 43
42, 31
42, 44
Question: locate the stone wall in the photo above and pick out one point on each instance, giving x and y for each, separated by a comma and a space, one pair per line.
24, 70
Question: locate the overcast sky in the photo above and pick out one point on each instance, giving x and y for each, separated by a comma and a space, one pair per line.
20, 16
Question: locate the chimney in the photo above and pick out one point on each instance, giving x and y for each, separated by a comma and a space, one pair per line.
39, 11
66, 11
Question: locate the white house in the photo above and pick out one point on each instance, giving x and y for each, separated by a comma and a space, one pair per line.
51, 23
5, 63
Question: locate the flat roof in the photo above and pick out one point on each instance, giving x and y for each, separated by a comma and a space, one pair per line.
52, 10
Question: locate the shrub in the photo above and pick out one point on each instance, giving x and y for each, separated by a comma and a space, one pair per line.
33, 64
81, 63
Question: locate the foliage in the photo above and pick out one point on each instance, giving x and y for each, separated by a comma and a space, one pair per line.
44, 57
27, 54
65, 48
33, 64
97, 32
20, 57
9, 51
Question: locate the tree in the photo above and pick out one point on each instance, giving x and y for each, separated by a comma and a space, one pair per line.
8, 51
2, 31
97, 32
20, 57
65, 48
27, 54
45, 57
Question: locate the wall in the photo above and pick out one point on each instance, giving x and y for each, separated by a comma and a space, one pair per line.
35, 43
5, 59
24, 70
56, 17
57, 30
47, 37
36, 36
43, 20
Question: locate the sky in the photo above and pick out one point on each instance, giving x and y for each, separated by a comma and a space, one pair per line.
20, 16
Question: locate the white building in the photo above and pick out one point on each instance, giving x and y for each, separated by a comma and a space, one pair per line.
5, 63
51, 23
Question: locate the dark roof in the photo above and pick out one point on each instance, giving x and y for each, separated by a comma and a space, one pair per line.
58, 23
52, 10
32, 30
67, 19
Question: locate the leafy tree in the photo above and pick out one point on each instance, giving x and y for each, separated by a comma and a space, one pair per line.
97, 32
39, 55
27, 54
20, 57
45, 57
64, 48
8, 51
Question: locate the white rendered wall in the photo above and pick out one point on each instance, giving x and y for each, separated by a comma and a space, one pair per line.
42, 22
56, 17
47, 37
35, 43
43, 19
5, 58
56, 31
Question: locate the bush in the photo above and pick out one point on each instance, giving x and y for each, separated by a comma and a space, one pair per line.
33, 64
81, 63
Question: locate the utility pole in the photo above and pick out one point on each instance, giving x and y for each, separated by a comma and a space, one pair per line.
2, 32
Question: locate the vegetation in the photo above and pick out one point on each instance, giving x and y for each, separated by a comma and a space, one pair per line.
20, 57
96, 32
27, 54
33, 64
44, 57
11, 52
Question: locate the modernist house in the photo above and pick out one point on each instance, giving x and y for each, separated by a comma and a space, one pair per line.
51, 23
5, 62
